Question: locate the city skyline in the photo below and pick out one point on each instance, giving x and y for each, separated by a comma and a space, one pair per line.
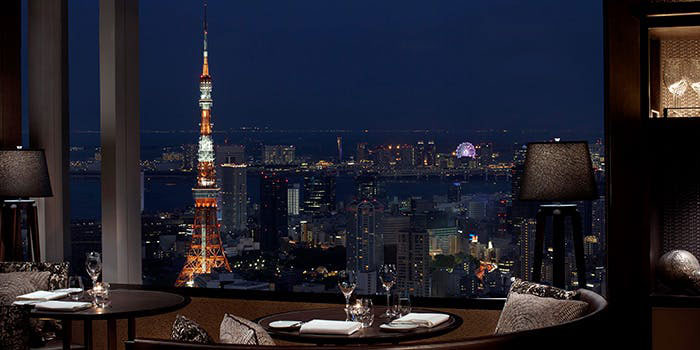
356, 144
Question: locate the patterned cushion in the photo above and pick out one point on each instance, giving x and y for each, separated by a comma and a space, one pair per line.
59, 271
238, 330
541, 290
526, 311
14, 327
187, 330
14, 284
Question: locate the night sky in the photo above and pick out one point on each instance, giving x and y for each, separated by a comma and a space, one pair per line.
317, 64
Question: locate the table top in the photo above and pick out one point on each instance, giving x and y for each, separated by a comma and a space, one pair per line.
125, 303
368, 335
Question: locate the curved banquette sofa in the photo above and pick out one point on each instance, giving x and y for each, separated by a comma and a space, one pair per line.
582, 333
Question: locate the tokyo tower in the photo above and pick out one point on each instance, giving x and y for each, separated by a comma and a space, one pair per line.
205, 251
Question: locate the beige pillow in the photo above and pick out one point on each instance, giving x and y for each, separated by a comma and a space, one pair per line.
13, 284
525, 311
238, 330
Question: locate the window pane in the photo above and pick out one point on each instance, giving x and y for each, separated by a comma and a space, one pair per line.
346, 136
84, 104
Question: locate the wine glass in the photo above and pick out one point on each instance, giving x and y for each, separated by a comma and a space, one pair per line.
674, 70
93, 266
347, 281
387, 275
76, 287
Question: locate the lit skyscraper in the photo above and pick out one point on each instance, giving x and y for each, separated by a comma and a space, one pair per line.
293, 200
413, 261
319, 193
364, 243
526, 243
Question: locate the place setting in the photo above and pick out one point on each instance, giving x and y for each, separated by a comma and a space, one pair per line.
360, 321
75, 297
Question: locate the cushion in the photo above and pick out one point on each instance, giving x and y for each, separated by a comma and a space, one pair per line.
238, 330
187, 330
14, 327
14, 284
541, 290
531, 305
59, 271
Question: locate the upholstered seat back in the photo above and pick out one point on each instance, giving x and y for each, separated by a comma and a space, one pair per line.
59, 271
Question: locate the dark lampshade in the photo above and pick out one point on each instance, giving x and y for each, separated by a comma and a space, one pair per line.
558, 171
23, 174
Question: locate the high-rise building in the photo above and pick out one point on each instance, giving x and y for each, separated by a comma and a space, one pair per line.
319, 193
234, 197
205, 251
365, 248
293, 200
278, 154
307, 234
526, 243
392, 225
368, 186
413, 261
425, 153
454, 192
230, 154
441, 239
273, 211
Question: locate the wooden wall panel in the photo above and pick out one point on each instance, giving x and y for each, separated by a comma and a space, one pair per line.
10, 74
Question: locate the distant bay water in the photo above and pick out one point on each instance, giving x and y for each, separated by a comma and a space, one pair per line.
167, 194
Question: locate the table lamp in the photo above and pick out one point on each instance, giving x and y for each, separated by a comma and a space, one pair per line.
558, 172
23, 174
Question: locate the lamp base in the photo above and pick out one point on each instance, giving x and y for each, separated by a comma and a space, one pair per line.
559, 212
11, 230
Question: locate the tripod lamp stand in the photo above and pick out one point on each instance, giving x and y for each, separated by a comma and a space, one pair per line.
23, 174
558, 172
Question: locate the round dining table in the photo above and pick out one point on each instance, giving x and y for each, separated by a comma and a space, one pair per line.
368, 335
124, 304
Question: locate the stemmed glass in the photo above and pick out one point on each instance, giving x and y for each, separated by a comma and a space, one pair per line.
93, 266
674, 78
347, 281
387, 275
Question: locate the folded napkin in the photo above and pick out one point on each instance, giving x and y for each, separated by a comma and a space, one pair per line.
330, 327
68, 290
62, 305
422, 319
42, 295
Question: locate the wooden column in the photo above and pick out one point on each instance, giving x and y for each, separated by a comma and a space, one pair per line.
47, 76
119, 118
10, 74
627, 169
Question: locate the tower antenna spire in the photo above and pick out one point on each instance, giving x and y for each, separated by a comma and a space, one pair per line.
205, 25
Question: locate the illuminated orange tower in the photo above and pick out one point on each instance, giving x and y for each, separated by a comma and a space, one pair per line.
205, 251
